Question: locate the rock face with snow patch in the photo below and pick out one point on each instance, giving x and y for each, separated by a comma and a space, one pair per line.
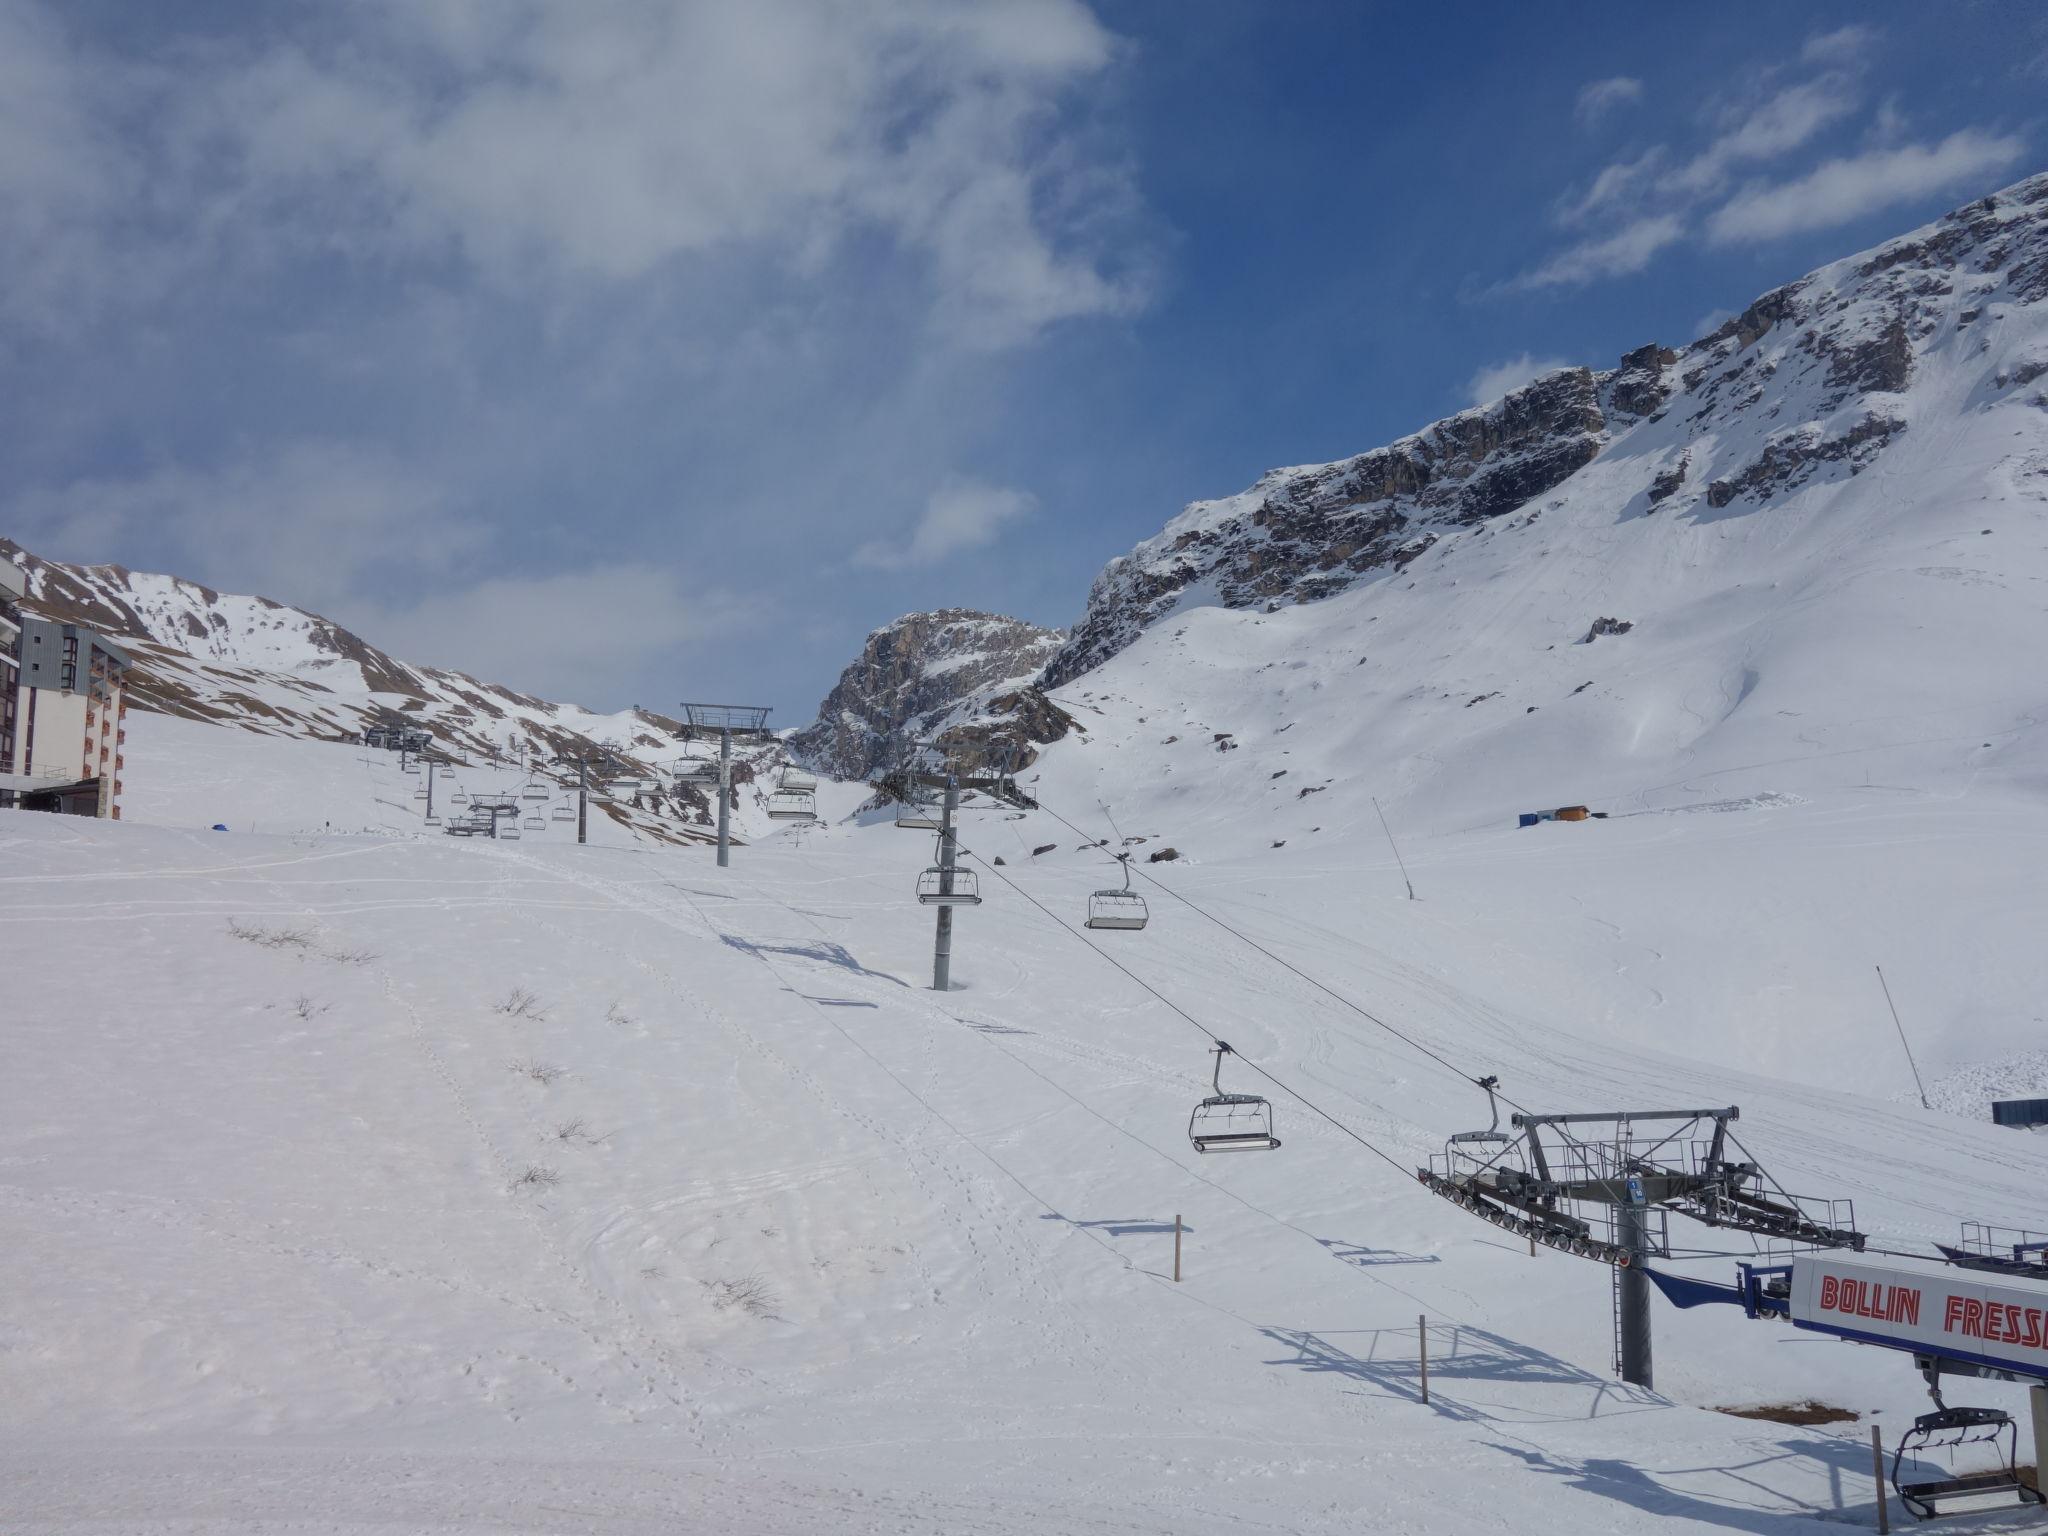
921, 676
1807, 384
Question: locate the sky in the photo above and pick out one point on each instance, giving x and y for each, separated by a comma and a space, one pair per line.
629, 351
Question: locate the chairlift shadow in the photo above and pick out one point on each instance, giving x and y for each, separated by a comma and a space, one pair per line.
1457, 1353
1140, 1226
1629, 1484
836, 1002
822, 950
1372, 1258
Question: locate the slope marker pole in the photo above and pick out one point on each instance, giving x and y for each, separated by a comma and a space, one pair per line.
1884, 1514
1397, 851
1422, 1340
1902, 1038
1176, 1248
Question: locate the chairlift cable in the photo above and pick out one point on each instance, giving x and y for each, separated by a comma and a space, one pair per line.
1214, 1040
1285, 963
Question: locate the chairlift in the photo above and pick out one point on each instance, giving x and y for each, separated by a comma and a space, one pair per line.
535, 822
564, 812
700, 771
1968, 1493
1231, 1122
1118, 908
433, 819
458, 798
1493, 1134
420, 793
795, 778
922, 815
938, 887
533, 791
792, 805
447, 772
508, 829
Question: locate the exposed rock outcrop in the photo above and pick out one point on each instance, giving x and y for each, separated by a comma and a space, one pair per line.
956, 674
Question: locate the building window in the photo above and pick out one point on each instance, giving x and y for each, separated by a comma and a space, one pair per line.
68, 678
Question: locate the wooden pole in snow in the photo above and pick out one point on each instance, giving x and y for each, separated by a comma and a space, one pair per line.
1176, 1248
1422, 1336
1884, 1514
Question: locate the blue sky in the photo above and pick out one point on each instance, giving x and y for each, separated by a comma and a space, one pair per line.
632, 351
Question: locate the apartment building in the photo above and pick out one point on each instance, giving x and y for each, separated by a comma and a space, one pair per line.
13, 584
63, 750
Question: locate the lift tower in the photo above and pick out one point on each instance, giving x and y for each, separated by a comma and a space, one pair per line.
605, 763
747, 721
946, 885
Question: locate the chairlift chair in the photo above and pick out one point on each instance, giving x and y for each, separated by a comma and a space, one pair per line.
1947, 1429
564, 812
508, 829
792, 805
919, 814
700, 771
795, 778
533, 792
420, 793
1231, 1122
1118, 908
938, 887
535, 822
458, 798
433, 819
447, 772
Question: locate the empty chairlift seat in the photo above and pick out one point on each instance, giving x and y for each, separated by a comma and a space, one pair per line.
919, 814
564, 813
1231, 1122
696, 770
1966, 1493
1118, 908
792, 805
796, 778
533, 792
938, 887
534, 823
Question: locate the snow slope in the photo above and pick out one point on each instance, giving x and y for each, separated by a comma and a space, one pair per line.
267, 1254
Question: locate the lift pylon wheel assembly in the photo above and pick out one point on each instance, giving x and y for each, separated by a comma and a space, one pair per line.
1551, 1184
938, 887
1231, 1122
1118, 907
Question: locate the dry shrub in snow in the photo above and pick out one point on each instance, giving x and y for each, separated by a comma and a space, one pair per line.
522, 1004
542, 1072
270, 938
537, 1176
750, 1293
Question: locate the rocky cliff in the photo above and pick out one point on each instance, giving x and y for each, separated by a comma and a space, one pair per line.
923, 676
1809, 382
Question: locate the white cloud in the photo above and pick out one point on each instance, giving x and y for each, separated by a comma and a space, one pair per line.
1488, 384
1838, 191
1603, 96
961, 514
599, 144
1842, 47
1629, 249
571, 635
309, 523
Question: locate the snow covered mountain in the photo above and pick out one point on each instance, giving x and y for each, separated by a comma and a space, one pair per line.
1808, 387
923, 675
256, 665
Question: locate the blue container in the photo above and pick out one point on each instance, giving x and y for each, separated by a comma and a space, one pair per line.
2019, 1111
1529, 819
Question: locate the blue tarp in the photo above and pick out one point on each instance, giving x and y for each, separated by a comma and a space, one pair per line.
1684, 1291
